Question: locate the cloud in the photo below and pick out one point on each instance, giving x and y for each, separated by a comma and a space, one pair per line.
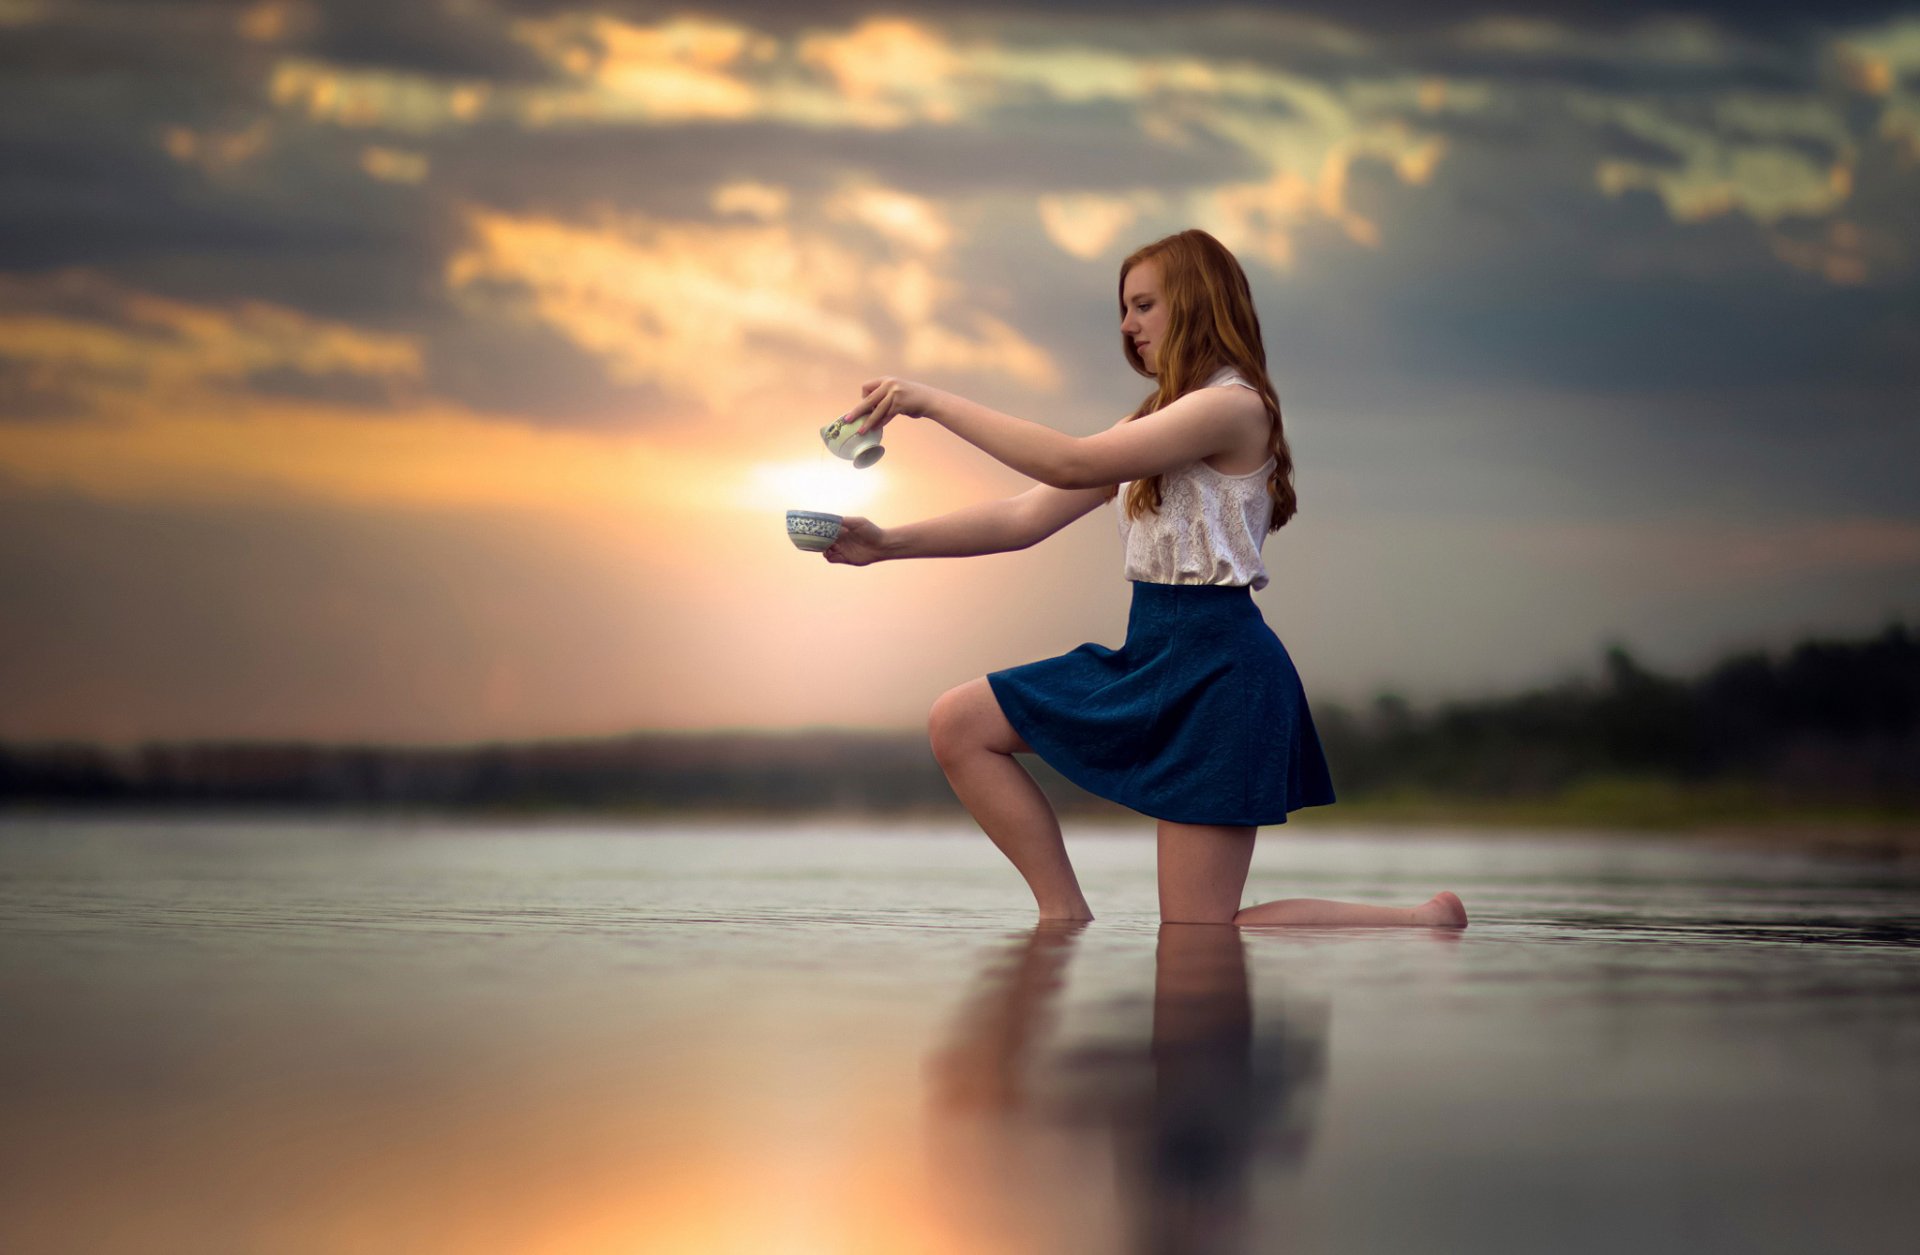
216, 152
725, 314
30, 392
1712, 174
602, 69
102, 345
765, 201
912, 222
890, 71
1086, 224
1883, 63
1839, 253
1300, 133
679, 71
678, 304
394, 165
994, 348
408, 102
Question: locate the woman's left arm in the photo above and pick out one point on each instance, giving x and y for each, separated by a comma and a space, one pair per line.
1200, 424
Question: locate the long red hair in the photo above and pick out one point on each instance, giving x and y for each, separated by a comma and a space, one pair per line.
1211, 323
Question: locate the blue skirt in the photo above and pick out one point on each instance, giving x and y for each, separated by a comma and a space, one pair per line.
1199, 718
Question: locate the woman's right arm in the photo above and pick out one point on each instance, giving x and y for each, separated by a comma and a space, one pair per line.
989, 527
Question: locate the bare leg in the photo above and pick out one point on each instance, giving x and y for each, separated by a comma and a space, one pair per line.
1203, 871
1442, 910
975, 746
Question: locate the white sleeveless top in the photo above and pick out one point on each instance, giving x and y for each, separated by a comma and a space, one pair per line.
1210, 526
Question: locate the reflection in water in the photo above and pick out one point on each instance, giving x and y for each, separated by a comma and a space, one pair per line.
1160, 1136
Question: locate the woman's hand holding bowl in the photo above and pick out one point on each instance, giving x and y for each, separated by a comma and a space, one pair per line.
860, 542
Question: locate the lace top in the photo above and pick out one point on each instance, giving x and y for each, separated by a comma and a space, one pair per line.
1209, 527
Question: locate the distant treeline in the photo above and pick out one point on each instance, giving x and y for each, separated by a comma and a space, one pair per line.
1828, 723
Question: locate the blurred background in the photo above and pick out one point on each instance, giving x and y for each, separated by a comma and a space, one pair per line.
399, 402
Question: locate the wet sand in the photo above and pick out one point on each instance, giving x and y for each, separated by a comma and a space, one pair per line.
269, 1035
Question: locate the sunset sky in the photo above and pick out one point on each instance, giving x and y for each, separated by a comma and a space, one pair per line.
441, 370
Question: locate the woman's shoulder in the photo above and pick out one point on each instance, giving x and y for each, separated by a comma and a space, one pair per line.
1226, 377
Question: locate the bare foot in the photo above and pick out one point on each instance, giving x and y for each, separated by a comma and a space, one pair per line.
1442, 910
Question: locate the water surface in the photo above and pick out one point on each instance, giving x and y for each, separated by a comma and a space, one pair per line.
281, 1035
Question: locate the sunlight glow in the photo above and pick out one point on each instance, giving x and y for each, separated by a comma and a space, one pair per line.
823, 483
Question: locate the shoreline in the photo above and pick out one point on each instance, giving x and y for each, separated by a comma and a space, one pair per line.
1880, 836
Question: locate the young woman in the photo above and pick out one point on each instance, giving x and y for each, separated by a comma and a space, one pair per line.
1199, 719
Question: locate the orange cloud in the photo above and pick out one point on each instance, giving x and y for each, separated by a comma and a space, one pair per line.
1838, 254
388, 99
680, 71
737, 315
683, 305
143, 345
1085, 225
273, 20
216, 152
889, 70
882, 73
911, 221
393, 165
993, 348
755, 200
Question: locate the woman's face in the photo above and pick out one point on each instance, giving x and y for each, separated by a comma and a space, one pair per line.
1145, 319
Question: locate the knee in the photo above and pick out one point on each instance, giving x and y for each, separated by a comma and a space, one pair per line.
947, 725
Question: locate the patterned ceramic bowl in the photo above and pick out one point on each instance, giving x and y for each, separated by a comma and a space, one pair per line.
812, 530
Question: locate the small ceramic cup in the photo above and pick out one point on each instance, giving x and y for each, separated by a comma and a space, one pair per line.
842, 437
811, 530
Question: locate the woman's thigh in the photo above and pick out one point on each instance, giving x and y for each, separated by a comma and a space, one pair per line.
1203, 871
969, 715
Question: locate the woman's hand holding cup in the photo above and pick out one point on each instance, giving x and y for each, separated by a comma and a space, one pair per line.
884, 399
859, 543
